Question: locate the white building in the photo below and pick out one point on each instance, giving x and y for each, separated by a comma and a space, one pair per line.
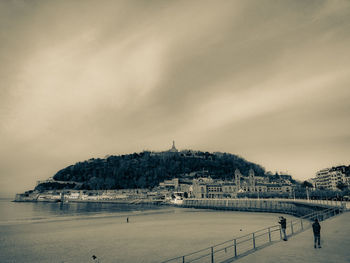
329, 178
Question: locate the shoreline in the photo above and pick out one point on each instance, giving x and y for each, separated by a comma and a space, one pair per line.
126, 202
93, 216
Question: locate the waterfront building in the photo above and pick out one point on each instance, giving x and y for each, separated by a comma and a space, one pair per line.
74, 195
186, 187
229, 190
330, 178
199, 187
323, 179
214, 191
209, 188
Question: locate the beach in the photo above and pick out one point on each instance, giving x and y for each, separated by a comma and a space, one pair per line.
152, 235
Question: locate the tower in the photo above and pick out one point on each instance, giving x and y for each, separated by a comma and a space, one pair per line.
251, 177
173, 148
238, 179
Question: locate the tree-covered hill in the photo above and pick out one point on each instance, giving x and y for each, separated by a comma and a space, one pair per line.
147, 169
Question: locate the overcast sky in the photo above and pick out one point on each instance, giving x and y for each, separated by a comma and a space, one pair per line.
267, 80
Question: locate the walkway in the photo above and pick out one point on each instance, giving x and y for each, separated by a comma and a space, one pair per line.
335, 242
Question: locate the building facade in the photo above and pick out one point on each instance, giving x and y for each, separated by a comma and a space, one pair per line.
332, 178
209, 188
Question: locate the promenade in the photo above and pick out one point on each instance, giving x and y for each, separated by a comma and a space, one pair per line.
335, 242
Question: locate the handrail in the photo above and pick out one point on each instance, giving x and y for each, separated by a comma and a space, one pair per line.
294, 226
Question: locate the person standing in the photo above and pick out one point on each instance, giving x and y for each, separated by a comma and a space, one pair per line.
283, 223
316, 227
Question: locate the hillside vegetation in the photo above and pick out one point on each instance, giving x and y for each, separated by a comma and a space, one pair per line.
146, 169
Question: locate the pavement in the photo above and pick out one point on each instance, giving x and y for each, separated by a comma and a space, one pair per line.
335, 243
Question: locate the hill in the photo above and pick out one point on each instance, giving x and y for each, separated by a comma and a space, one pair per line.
148, 169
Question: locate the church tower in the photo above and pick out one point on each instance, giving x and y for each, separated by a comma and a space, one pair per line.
251, 177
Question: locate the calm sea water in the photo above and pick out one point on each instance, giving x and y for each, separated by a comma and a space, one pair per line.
15, 212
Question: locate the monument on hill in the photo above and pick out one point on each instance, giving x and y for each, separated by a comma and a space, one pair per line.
173, 148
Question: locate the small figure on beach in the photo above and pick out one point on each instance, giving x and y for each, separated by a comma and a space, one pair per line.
95, 259
316, 227
283, 223
127, 220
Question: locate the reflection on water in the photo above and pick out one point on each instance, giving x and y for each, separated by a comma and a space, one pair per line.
15, 211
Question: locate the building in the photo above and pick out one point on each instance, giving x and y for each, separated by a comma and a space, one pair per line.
258, 184
330, 178
229, 190
200, 187
214, 191
172, 184
206, 187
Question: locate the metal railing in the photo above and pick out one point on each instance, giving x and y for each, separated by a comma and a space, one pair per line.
243, 245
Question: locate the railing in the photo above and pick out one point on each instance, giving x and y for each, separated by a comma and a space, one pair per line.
260, 203
344, 204
241, 246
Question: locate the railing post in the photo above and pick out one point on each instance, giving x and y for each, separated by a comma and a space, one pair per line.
254, 240
269, 235
212, 255
291, 227
301, 224
235, 244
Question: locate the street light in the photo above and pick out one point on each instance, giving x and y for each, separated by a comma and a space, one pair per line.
294, 193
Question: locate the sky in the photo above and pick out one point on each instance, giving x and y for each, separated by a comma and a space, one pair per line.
267, 80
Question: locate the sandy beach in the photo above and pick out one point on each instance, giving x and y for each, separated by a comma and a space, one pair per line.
167, 233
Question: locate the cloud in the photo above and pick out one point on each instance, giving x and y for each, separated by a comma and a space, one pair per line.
264, 79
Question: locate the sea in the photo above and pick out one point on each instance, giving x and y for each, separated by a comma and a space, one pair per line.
100, 232
30, 212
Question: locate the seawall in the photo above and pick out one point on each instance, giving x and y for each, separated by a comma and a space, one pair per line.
285, 206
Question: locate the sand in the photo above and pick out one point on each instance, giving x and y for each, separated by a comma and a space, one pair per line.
150, 237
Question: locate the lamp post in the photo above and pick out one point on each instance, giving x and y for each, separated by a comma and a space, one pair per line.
294, 193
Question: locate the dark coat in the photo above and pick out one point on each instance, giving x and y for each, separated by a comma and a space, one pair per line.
316, 227
283, 223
